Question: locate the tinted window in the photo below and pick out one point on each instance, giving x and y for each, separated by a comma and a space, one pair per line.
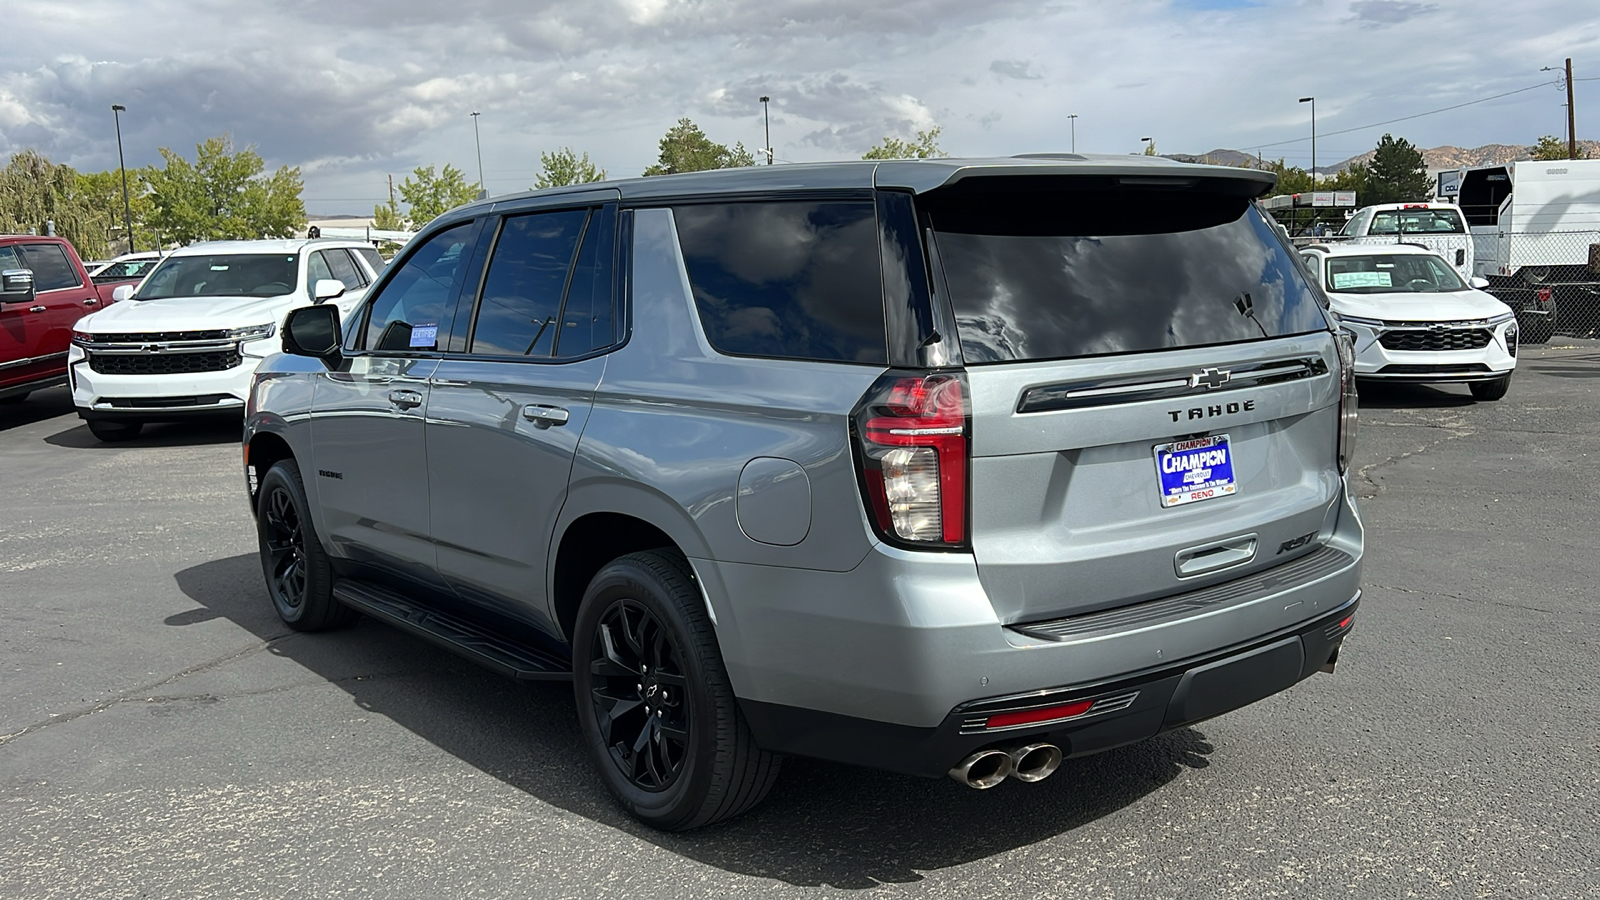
415, 308
586, 318
373, 258
8, 259
224, 274
1054, 275
799, 280
528, 272
51, 271
344, 269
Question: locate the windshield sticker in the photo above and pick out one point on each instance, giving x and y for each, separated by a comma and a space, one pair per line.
1342, 280
424, 335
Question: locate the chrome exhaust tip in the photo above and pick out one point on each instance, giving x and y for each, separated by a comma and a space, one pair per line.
983, 769
1035, 762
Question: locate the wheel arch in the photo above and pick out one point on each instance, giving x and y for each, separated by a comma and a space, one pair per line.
604, 522
264, 450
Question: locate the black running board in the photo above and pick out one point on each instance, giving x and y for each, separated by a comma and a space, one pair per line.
453, 633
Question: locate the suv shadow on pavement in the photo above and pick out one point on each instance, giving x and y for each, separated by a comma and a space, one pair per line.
36, 407
823, 824
1398, 395
174, 434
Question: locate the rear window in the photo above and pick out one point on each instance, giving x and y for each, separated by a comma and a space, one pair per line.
1416, 221
790, 279
1062, 274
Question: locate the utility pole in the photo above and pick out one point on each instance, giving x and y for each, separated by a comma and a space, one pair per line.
1572, 122
1073, 121
1313, 171
391, 192
483, 189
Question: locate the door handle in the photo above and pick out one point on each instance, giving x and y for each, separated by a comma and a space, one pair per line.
37, 308
1215, 556
544, 416
405, 399
90, 302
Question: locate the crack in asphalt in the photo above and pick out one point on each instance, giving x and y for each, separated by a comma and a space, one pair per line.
1462, 597
1365, 472
135, 693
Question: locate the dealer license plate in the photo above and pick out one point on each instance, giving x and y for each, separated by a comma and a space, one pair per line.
1194, 470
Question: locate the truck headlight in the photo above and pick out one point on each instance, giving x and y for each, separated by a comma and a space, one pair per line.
252, 333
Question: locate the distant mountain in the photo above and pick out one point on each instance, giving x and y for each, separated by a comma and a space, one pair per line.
1436, 158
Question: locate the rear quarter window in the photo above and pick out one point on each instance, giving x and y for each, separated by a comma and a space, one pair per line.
787, 279
1042, 275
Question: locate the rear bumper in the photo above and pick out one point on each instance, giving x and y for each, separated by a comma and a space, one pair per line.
898, 652
1161, 700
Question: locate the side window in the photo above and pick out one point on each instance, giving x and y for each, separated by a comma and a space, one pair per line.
527, 275
417, 305
1313, 266
51, 271
790, 279
316, 269
340, 265
586, 318
8, 259
373, 258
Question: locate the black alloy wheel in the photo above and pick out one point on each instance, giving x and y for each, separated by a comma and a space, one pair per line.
298, 573
656, 708
284, 545
640, 695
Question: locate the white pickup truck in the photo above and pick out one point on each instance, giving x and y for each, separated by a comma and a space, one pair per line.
1536, 231
1439, 227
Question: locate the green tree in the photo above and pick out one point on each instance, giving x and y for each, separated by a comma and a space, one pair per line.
685, 148
222, 195
431, 194
1149, 148
386, 217
35, 193
924, 146
1552, 147
564, 167
1396, 174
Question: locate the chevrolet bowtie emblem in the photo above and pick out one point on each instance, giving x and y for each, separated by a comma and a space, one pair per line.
1210, 378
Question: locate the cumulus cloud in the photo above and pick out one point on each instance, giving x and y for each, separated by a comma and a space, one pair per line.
1013, 68
1389, 12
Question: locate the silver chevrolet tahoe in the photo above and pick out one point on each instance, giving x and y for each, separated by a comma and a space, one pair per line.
935, 466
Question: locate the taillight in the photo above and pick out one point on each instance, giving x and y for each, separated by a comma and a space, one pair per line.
1347, 399
914, 457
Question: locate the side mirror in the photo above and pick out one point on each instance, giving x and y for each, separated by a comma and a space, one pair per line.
1479, 282
16, 286
121, 292
314, 331
326, 289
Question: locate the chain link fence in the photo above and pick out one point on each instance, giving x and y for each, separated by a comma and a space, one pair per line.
1552, 279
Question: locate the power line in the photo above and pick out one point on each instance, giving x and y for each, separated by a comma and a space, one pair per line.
1421, 114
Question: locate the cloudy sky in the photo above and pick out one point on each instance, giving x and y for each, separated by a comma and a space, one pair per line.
352, 92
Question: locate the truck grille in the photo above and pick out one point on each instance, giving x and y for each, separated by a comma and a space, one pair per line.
161, 337
1450, 339
164, 363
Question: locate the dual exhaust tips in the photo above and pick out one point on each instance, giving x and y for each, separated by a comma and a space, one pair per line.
987, 768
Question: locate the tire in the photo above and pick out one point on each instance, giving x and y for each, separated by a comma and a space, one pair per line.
113, 432
299, 576
1537, 330
699, 763
1491, 390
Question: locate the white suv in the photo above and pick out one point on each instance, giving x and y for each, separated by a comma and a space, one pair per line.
198, 326
1413, 319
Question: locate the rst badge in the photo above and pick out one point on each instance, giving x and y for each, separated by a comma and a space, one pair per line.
1196, 469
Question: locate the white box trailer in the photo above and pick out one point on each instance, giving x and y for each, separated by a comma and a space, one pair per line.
1536, 236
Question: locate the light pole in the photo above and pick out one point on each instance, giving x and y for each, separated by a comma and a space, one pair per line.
1150, 146
1313, 102
483, 189
117, 109
768, 121
1072, 120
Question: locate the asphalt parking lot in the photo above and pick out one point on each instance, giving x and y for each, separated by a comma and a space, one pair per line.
162, 735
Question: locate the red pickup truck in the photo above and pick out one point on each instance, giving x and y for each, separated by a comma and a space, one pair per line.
44, 290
